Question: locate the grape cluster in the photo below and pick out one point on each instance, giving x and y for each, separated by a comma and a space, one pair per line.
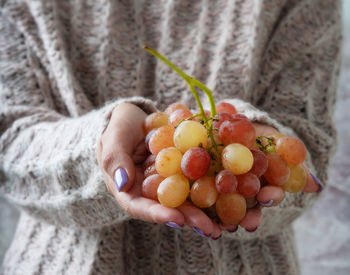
225, 166
215, 160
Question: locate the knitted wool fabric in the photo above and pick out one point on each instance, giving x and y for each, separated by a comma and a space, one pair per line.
66, 64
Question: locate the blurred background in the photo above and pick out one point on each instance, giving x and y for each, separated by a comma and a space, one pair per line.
323, 232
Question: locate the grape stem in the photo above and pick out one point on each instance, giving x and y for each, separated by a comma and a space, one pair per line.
269, 147
192, 83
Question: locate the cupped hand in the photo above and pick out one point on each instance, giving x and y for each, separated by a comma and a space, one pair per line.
120, 153
270, 195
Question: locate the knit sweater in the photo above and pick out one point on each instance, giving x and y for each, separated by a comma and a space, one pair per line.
66, 64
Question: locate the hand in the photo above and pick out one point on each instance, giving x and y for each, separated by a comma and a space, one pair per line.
120, 153
272, 196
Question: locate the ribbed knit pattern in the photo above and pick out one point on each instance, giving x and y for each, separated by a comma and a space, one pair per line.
64, 65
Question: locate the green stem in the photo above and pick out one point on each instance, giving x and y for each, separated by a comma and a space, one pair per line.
192, 83
190, 80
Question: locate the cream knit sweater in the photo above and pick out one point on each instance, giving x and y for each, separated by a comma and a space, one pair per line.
66, 64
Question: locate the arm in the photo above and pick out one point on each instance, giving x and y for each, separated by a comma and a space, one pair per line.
48, 162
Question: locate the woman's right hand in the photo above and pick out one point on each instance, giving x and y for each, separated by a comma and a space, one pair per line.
120, 153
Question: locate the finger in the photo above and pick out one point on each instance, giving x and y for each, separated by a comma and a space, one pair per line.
151, 211
229, 228
270, 195
116, 157
312, 184
216, 234
252, 219
146, 209
196, 218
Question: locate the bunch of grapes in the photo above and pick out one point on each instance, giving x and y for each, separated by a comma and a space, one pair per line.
215, 160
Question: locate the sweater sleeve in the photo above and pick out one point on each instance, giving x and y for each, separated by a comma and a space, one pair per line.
296, 94
48, 163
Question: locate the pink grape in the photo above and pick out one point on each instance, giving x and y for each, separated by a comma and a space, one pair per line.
155, 120
161, 138
195, 163
225, 107
260, 163
173, 191
178, 115
203, 192
149, 161
175, 106
226, 182
150, 170
150, 186
148, 137
277, 172
291, 149
248, 185
231, 208
242, 132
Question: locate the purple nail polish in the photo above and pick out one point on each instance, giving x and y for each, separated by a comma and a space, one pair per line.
199, 232
270, 202
120, 178
174, 225
251, 230
320, 186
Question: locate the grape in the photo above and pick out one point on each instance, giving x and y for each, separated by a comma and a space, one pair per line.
251, 202
270, 192
175, 106
190, 134
148, 137
173, 191
220, 118
225, 107
149, 161
150, 186
277, 172
241, 131
291, 149
199, 118
231, 208
162, 138
195, 163
168, 162
226, 182
237, 158
248, 185
203, 192
226, 116
276, 136
297, 179
178, 115
260, 163
150, 170
155, 120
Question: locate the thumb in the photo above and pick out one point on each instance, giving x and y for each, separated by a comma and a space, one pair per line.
116, 158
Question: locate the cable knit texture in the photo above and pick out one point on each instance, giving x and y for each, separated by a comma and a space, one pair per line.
66, 64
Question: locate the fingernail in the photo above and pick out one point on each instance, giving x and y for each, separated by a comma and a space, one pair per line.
120, 178
270, 202
320, 186
215, 239
251, 230
233, 231
199, 232
174, 225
